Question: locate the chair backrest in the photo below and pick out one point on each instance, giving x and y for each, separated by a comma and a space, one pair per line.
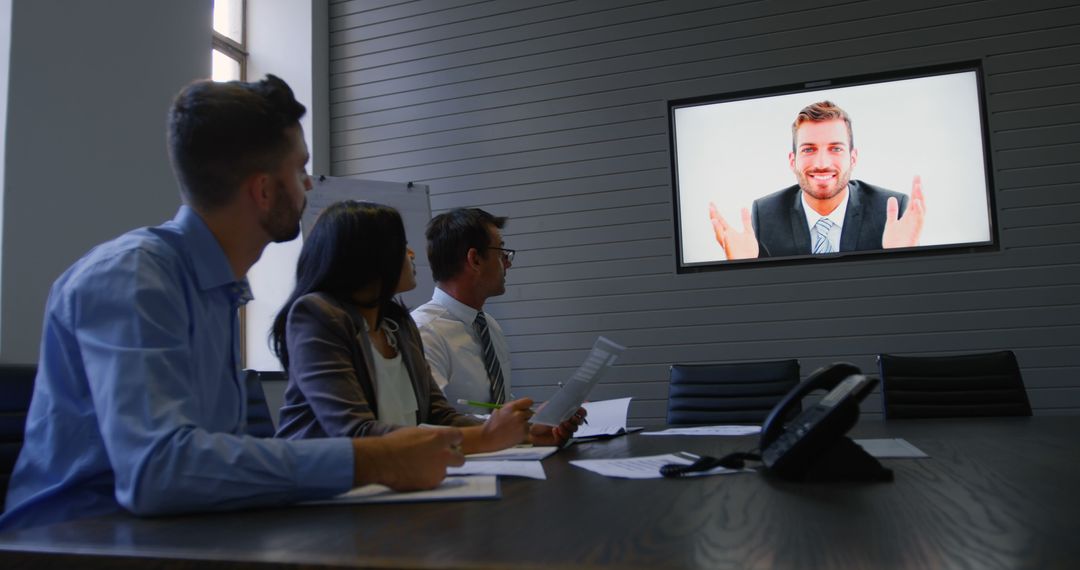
16, 388
985, 384
259, 421
743, 392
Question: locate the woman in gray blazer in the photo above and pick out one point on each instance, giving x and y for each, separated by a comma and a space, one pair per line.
352, 354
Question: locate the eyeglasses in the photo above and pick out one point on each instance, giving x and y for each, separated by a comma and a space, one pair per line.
508, 254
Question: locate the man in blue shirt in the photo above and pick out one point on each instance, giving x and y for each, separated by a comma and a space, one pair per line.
138, 403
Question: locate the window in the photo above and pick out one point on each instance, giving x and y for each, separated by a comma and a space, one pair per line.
229, 50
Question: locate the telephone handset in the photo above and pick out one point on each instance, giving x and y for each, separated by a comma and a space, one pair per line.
813, 446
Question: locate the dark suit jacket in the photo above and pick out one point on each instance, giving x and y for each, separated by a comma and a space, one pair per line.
780, 221
330, 391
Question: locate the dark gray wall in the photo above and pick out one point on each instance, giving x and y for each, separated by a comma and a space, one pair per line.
85, 158
554, 113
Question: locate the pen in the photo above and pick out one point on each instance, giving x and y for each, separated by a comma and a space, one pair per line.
479, 404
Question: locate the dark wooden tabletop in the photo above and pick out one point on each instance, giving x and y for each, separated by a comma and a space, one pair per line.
995, 493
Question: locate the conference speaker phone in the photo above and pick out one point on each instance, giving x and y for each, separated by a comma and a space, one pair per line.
813, 446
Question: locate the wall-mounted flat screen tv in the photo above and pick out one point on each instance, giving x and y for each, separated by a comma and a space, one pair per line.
882, 165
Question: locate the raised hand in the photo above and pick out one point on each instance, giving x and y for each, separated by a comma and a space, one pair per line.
904, 232
408, 459
737, 244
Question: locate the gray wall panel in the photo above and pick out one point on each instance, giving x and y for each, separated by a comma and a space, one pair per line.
85, 156
590, 16
494, 146
554, 114
428, 134
384, 17
443, 163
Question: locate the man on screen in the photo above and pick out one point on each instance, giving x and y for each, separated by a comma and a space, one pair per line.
826, 211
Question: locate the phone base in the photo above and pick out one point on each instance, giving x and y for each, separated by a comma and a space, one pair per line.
842, 461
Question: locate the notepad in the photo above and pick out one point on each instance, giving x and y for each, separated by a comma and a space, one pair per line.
524, 453
529, 469
457, 488
709, 430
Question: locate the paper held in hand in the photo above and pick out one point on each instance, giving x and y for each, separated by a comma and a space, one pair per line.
568, 399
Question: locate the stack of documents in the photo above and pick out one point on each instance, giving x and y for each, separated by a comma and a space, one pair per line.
606, 418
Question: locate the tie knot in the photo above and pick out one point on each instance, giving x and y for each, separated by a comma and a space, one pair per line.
824, 225
480, 320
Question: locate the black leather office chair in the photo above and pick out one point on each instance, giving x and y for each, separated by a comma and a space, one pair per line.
985, 384
259, 421
742, 392
16, 387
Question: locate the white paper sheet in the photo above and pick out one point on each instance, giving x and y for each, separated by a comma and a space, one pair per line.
606, 417
451, 489
568, 399
530, 469
708, 430
647, 467
524, 453
890, 448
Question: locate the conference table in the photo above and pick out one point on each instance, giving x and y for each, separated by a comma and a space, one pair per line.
994, 493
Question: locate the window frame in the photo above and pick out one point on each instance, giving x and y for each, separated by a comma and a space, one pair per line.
236, 51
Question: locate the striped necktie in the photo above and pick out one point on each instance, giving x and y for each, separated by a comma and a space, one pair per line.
491, 362
821, 236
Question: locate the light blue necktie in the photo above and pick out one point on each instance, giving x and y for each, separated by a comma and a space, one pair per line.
821, 236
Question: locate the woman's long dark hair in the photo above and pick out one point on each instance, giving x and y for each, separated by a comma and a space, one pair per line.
353, 246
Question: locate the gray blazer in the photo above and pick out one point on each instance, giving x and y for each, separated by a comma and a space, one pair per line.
330, 390
780, 222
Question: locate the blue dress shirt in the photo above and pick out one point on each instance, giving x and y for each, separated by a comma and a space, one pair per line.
138, 402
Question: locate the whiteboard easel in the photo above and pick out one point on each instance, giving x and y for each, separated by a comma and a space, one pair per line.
411, 200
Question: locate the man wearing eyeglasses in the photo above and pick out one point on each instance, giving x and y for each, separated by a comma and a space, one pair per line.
464, 345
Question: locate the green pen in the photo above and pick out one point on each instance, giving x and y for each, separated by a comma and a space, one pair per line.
479, 404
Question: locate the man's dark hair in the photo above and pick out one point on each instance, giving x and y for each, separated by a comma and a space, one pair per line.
820, 112
221, 133
352, 246
451, 235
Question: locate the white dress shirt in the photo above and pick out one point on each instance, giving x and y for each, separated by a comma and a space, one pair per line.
836, 217
454, 352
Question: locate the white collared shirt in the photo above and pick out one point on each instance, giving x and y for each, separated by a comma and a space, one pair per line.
453, 350
836, 217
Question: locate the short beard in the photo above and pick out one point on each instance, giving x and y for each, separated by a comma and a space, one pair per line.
283, 221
